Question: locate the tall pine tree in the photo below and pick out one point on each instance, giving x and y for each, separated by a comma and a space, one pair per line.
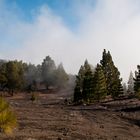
88, 89
112, 75
84, 83
79, 85
77, 92
47, 71
80, 77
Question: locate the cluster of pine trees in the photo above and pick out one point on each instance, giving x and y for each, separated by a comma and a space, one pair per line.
95, 84
17, 76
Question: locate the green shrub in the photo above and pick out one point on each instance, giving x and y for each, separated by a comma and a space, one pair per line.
8, 119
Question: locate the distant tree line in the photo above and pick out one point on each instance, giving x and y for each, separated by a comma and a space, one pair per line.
91, 84
19, 76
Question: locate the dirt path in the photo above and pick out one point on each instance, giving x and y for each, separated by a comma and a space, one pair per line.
49, 119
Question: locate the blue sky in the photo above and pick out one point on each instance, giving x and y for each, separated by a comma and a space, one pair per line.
64, 8
71, 31
29, 6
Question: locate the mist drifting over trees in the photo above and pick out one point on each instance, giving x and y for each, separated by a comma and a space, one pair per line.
19, 76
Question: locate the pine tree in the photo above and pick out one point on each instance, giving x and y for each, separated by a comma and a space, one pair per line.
112, 75
32, 76
14, 75
61, 77
80, 77
117, 88
131, 83
79, 85
88, 89
137, 82
77, 92
84, 83
3, 78
47, 70
100, 89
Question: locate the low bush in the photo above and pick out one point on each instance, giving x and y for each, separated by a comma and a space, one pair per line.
8, 119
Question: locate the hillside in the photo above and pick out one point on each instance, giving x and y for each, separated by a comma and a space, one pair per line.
49, 118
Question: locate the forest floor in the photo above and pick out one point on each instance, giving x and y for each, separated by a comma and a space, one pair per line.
49, 118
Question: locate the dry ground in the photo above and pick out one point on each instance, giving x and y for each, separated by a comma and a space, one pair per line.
49, 119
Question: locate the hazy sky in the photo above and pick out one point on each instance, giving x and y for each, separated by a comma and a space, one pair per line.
71, 31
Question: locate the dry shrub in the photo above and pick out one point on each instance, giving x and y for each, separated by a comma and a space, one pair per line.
8, 119
34, 96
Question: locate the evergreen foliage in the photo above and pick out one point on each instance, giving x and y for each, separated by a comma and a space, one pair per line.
80, 77
79, 85
77, 93
18, 76
88, 89
84, 84
12, 76
112, 75
100, 89
91, 86
137, 82
3, 78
